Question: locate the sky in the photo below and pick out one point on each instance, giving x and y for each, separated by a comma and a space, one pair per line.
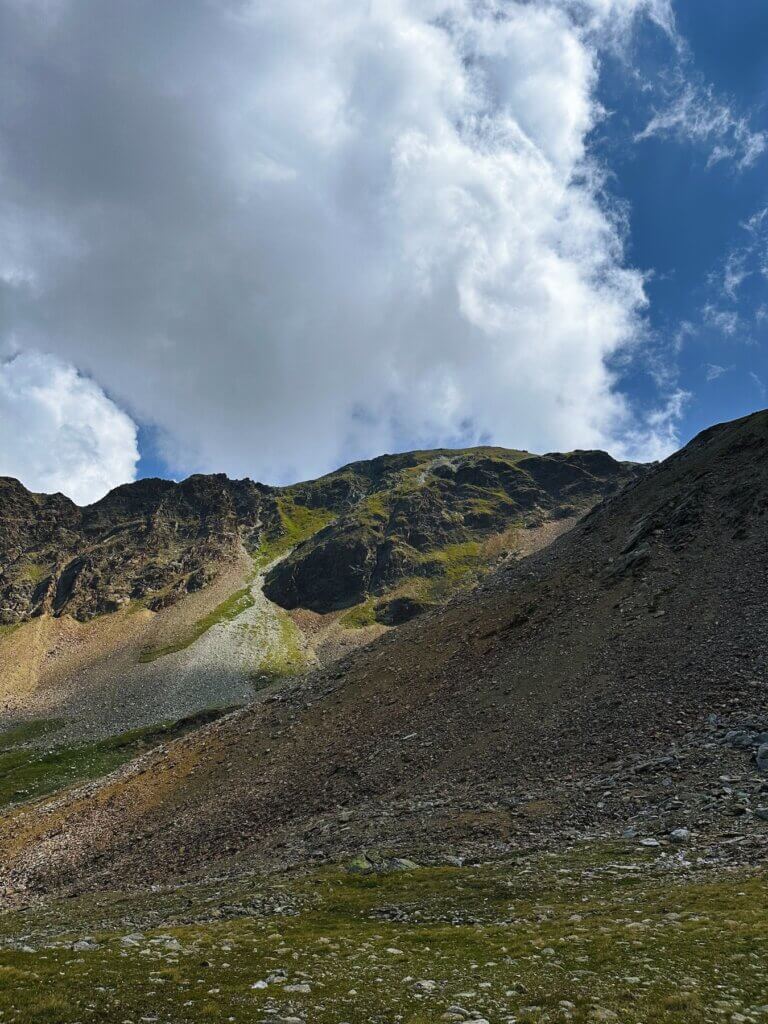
267, 239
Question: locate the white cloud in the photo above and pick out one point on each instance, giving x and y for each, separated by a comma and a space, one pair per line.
734, 274
747, 259
714, 371
60, 431
656, 436
289, 234
724, 320
697, 114
759, 384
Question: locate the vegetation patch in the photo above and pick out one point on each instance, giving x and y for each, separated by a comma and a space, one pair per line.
29, 772
297, 523
28, 732
285, 654
228, 610
590, 934
34, 572
360, 616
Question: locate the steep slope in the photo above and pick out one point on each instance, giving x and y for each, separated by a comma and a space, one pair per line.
423, 521
151, 541
615, 678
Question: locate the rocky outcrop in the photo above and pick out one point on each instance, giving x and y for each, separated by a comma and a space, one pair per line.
426, 515
153, 541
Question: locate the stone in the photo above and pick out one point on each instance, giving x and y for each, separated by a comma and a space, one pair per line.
402, 864
602, 1014
680, 835
360, 865
740, 739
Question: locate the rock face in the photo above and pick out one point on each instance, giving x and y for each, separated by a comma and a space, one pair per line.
154, 541
425, 516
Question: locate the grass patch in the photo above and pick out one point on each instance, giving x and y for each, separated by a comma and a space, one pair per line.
27, 732
285, 656
459, 560
297, 523
590, 934
30, 772
34, 572
360, 616
228, 610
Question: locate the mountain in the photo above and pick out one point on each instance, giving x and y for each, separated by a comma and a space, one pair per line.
408, 528
165, 599
610, 681
417, 515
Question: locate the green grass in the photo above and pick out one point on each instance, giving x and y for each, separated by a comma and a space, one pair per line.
297, 523
360, 616
28, 731
30, 772
34, 572
228, 610
285, 657
588, 934
458, 560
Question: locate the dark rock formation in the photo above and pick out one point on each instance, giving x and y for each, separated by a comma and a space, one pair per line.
416, 515
155, 540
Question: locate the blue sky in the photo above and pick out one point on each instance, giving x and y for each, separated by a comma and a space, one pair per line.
685, 217
270, 239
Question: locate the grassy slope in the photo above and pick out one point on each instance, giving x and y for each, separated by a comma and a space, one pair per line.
592, 933
297, 523
224, 612
27, 772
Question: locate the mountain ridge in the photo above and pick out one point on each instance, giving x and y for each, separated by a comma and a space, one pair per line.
607, 682
153, 541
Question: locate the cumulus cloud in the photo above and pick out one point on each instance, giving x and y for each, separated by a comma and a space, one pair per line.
697, 114
290, 234
60, 431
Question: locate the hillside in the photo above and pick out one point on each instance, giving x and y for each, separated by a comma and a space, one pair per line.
150, 605
421, 522
611, 681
